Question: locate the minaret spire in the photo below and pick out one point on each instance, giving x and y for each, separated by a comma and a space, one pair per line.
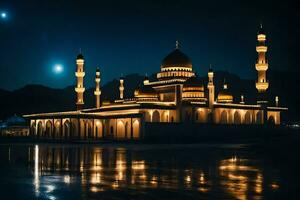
97, 91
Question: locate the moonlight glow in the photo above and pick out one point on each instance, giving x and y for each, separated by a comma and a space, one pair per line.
58, 68
3, 15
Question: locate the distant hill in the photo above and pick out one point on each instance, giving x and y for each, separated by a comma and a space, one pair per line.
38, 98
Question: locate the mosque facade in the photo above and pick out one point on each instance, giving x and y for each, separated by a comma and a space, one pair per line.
176, 96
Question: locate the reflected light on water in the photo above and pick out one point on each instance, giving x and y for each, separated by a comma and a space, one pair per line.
67, 179
258, 183
95, 178
237, 175
36, 170
101, 170
274, 186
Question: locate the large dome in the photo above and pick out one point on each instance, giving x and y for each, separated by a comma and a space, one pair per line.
176, 59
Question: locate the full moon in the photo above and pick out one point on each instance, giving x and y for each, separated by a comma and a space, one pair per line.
58, 68
3, 15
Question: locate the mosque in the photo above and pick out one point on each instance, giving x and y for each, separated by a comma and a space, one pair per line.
176, 96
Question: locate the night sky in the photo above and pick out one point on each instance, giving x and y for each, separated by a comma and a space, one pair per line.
123, 37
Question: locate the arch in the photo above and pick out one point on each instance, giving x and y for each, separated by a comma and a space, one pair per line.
259, 117
48, 131
66, 129
98, 129
57, 129
271, 120
33, 129
224, 118
120, 129
237, 118
147, 116
82, 129
201, 116
74, 129
248, 118
165, 116
156, 116
40, 131
127, 135
88, 131
136, 129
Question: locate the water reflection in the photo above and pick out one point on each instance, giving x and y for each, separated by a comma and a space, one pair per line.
96, 170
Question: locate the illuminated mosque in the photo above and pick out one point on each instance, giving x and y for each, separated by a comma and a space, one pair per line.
176, 96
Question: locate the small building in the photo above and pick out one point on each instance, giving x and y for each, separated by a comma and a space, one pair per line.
14, 126
176, 96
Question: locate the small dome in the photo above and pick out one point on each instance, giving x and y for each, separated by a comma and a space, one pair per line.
80, 56
193, 84
225, 96
176, 59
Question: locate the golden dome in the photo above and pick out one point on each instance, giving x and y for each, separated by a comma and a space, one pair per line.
176, 59
193, 89
194, 82
224, 95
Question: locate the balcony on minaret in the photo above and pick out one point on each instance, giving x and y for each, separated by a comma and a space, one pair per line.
261, 49
79, 61
262, 86
261, 66
97, 92
79, 74
79, 89
261, 37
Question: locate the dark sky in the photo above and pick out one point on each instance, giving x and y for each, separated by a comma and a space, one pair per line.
134, 36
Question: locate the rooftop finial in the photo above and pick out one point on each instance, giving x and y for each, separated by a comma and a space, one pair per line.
177, 44
80, 50
225, 84
261, 25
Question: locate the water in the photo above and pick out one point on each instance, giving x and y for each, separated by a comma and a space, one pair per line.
49, 171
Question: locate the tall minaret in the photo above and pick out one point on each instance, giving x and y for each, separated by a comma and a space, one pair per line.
121, 87
97, 91
211, 88
261, 65
79, 89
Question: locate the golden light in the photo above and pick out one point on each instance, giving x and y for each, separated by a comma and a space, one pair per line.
97, 123
67, 179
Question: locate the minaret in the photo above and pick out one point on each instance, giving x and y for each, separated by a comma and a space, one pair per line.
211, 88
97, 92
79, 89
261, 65
121, 87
